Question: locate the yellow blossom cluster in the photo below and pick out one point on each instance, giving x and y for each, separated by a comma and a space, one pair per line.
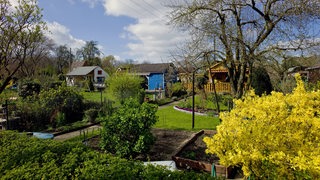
274, 136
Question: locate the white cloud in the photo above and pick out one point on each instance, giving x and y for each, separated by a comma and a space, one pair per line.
150, 37
61, 36
92, 3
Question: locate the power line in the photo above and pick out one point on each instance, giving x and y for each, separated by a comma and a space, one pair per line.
139, 5
138, 12
152, 7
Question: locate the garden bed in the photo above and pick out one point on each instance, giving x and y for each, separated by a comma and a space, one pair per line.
192, 156
186, 148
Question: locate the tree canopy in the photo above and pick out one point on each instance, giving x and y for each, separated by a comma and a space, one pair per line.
90, 53
21, 29
239, 33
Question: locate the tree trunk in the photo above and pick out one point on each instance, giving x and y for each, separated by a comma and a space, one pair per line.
5, 83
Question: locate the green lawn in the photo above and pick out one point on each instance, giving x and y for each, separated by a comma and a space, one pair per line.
96, 96
173, 119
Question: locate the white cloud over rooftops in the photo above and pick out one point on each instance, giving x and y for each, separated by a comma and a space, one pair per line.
61, 36
150, 37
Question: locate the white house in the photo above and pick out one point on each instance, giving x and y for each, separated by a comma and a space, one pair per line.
95, 73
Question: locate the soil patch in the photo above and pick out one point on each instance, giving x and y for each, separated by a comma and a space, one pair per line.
166, 145
195, 150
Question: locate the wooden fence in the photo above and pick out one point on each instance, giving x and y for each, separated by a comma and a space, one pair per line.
221, 87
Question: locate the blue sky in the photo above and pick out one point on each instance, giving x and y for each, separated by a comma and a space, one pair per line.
127, 29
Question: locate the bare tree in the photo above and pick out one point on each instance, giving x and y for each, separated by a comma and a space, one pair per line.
37, 55
109, 64
20, 30
64, 58
246, 30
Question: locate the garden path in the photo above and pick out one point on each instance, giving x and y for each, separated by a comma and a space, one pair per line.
73, 134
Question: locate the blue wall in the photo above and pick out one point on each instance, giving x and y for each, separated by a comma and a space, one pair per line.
156, 81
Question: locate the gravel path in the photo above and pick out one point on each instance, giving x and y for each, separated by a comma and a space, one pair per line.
72, 134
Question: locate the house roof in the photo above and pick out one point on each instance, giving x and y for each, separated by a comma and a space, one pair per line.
218, 67
317, 66
76, 64
81, 71
151, 68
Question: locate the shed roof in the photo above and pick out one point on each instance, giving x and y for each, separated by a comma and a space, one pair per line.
151, 68
317, 66
82, 71
76, 64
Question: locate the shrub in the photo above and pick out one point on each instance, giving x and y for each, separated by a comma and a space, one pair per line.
29, 89
89, 85
178, 90
91, 114
124, 86
33, 117
23, 157
272, 137
261, 82
64, 100
126, 132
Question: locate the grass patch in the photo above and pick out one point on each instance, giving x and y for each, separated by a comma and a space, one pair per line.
88, 134
95, 96
176, 120
210, 103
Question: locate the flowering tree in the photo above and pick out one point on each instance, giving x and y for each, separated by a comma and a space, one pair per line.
272, 136
21, 34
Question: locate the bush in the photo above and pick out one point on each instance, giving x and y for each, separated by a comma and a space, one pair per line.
261, 82
124, 86
29, 89
23, 157
178, 90
272, 137
89, 85
91, 114
33, 117
126, 133
63, 100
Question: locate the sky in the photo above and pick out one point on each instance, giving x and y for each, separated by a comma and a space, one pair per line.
126, 29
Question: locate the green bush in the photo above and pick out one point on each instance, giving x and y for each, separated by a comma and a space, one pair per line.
123, 86
91, 114
178, 90
126, 132
65, 100
261, 82
33, 117
89, 85
23, 157
27, 89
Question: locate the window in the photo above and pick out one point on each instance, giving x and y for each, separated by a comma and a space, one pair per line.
99, 72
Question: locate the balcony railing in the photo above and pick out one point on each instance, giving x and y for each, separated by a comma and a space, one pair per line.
221, 87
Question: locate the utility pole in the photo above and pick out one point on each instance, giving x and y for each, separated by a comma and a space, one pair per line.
193, 93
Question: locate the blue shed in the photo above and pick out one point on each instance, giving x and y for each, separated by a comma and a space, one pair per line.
156, 75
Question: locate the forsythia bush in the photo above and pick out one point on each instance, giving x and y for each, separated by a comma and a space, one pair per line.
272, 137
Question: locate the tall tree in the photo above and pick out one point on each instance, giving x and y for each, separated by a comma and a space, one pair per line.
109, 64
20, 30
37, 58
246, 30
64, 58
90, 53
